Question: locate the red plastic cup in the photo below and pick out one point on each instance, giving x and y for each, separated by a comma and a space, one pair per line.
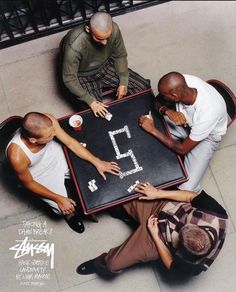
76, 122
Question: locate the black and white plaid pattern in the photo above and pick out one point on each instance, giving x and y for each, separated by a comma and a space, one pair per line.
108, 79
174, 215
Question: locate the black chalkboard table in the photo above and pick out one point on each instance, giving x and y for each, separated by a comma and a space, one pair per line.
140, 156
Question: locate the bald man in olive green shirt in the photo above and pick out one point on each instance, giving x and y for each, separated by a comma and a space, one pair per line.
94, 57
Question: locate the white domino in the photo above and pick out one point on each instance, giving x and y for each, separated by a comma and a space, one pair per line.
108, 116
132, 187
92, 189
149, 116
92, 185
92, 181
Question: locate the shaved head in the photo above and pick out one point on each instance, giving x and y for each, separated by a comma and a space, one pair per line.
34, 123
100, 21
172, 81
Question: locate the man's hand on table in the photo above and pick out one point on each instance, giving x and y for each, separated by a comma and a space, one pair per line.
66, 205
99, 108
147, 123
121, 91
148, 191
106, 166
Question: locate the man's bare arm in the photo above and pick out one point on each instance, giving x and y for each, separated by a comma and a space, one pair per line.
82, 152
149, 192
179, 147
162, 249
176, 117
20, 164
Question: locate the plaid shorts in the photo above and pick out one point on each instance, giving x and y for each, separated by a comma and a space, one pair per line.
107, 79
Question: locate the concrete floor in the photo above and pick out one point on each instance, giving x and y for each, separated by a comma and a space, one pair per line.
191, 37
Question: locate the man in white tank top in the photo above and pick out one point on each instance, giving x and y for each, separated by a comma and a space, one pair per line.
39, 162
197, 125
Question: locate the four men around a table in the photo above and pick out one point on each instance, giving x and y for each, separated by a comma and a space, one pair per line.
184, 228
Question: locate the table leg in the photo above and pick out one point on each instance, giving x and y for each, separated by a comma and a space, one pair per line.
93, 218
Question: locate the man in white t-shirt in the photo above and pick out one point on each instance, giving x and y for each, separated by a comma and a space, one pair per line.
197, 124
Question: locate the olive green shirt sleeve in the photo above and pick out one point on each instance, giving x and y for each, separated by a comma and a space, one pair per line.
119, 56
70, 65
81, 57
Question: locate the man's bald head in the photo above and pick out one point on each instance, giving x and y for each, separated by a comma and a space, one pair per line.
34, 123
101, 21
172, 82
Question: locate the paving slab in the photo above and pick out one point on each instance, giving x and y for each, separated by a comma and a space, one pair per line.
210, 186
55, 106
4, 109
30, 81
135, 280
230, 138
223, 169
30, 49
219, 277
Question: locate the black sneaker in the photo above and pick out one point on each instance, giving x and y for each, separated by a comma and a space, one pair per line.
75, 224
86, 268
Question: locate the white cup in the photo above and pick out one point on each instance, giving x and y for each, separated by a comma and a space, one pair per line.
76, 122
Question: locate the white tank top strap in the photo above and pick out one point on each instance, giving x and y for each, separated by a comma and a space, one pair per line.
33, 157
48, 166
